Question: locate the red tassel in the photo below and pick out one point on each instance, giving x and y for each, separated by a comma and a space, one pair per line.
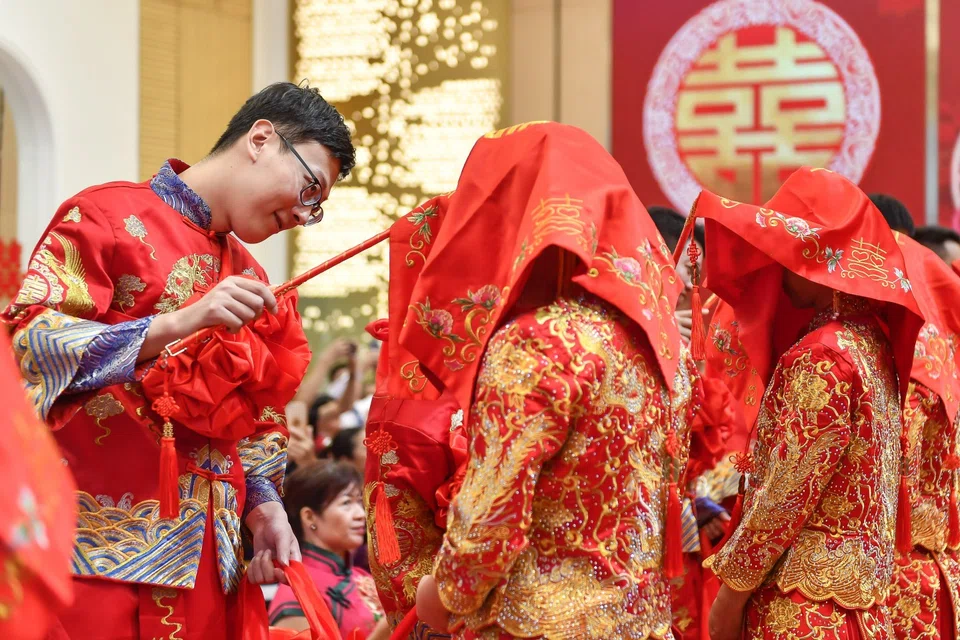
166, 407
388, 549
169, 476
698, 336
904, 536
673, 535
954, 520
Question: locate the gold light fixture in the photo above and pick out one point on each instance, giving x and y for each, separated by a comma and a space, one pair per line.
418, 81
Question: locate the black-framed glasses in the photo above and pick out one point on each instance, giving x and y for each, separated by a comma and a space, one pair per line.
311, 194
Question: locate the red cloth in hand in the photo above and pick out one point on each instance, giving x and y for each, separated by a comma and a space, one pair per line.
222, 384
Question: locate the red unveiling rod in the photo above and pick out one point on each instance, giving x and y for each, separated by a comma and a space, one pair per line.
332, 262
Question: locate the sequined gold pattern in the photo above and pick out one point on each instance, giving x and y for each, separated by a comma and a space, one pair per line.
188, 274
820, 510
557, 529
770, 615
949, 563
931, 439
913, 606
419, 539
932, 442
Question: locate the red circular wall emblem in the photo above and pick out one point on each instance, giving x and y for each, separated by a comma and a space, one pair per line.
748, 91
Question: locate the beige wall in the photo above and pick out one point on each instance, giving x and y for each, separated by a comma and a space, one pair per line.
200, 60
196, 69
584, 47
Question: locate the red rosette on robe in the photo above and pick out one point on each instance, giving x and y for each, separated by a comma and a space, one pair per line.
222, 382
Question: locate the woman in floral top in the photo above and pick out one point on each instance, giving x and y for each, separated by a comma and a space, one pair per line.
325, 508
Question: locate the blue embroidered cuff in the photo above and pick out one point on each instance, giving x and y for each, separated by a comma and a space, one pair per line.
111, 357
260, 489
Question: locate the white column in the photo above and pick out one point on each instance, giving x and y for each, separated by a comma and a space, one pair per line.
586, 59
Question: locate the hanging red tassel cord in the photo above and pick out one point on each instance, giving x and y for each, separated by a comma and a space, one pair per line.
673, 535
388, 548
698, 336
380, 443
697, 332
904, 539
904, 536
673, 529
685, 233
166, 407
673, 525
